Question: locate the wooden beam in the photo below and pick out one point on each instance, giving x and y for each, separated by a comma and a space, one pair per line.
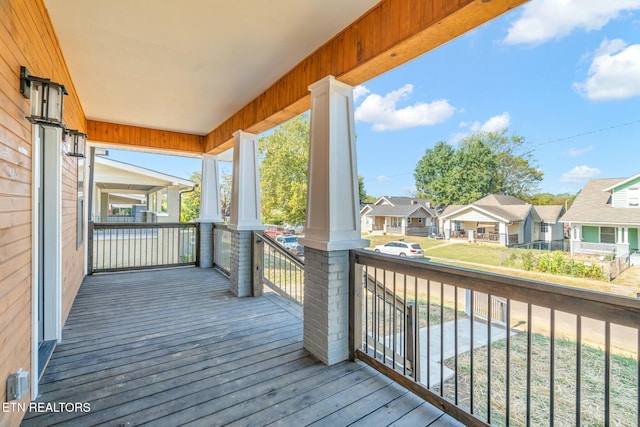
144, 138
390, 34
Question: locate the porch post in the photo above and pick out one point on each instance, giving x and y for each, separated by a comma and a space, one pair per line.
104, 207
333, 220
209, 208
245, 210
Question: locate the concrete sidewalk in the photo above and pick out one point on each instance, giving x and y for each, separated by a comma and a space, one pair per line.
480, 339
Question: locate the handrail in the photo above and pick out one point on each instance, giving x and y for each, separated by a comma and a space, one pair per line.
534, 335
118, 246
281, 270
597, 305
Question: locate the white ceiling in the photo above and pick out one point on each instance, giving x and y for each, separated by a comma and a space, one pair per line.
187, 65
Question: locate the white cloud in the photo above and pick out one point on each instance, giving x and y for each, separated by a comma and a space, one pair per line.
614, 72
579, 174
382, 178
543, 20
579, 152
383, 113
360, 91
494, 124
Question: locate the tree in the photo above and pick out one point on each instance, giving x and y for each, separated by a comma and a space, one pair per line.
364, 197
225, 195
483, 164
284, 158
190, 206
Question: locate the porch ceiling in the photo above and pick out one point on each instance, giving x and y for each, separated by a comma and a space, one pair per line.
203, 69
187, 66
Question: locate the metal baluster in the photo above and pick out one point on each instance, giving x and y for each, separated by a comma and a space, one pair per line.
489, 312
455, 344
552, 373
607, 372
471, 327
578, 368
441, 338
529, 316
508, 367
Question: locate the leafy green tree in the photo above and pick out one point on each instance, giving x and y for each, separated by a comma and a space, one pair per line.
284, 158
364, 197
225, 194
190, 208
483, 164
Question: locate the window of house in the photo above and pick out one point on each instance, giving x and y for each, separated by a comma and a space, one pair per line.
633, 195
419, 220
544, 227
607, 235
396, 222
457, 226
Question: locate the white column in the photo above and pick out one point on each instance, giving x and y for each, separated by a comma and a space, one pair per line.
333, 205
333, 220
245, 210
625, 235
245, 184
210, 190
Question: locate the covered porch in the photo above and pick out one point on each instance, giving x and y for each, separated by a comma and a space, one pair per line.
175, 346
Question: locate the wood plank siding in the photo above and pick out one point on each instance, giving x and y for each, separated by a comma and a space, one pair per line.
390, 34
27, 38
144, 138
175, 347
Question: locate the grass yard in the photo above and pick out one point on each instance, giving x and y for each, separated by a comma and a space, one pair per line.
624, 384
469, 252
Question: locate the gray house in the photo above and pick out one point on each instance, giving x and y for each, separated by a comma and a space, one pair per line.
506, 220
399, 215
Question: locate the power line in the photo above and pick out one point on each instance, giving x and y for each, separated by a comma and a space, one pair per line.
591, 132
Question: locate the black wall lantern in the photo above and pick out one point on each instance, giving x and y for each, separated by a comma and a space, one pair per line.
77, 142
46, 98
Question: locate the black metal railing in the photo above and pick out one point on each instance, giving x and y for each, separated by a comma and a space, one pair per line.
539, 354
282, 271
222, 248
135, 246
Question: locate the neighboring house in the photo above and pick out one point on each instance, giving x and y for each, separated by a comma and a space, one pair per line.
399, 215
122, 185
506, 220
605, 217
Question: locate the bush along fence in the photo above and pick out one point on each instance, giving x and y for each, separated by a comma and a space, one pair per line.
606, 267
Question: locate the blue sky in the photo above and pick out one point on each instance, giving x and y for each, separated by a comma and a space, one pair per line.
563, 74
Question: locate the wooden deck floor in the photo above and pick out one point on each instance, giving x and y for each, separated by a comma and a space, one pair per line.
174, 347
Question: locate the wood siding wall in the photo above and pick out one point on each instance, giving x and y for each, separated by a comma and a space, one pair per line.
144, 138
27, 38
390, 34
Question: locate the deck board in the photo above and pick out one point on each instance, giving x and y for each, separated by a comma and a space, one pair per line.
175, 347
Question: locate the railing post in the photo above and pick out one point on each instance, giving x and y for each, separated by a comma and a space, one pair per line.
355, 305
197, 254
257, 261
413, 341
90, 248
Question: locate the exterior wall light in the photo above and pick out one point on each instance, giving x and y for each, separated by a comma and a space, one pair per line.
76, 141
46, 98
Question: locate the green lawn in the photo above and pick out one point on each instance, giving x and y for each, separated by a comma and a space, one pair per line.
468, 252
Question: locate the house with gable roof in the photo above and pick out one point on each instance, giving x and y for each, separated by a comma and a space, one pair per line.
399, 215
605, 217
506, 220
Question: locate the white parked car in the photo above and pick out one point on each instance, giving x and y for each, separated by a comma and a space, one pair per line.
400, 248
289, 242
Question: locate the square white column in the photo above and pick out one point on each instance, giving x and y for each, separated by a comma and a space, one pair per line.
333, 220
245, 184
209, 190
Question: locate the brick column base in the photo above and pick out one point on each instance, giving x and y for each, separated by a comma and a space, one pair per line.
241, 272
206, 244
326, 304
